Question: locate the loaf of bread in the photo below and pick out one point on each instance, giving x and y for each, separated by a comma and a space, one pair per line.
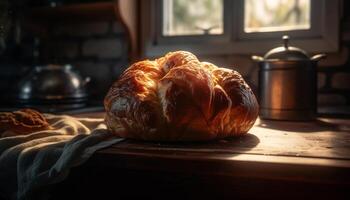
179, 98
23, 121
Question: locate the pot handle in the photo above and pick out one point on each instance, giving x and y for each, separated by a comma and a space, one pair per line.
318, 57
86, 80
257, 58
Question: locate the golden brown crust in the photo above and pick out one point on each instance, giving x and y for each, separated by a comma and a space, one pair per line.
177, 97
23, 121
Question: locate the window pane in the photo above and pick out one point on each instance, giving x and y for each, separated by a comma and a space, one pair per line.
194, 17
276, 15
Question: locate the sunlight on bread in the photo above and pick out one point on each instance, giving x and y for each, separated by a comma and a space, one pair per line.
179, 98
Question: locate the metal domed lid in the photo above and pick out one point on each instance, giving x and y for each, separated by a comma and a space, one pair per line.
286, 52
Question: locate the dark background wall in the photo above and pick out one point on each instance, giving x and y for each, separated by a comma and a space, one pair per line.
96, 49
99, 50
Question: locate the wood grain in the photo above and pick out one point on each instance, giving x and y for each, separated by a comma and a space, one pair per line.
317, 150
276, 160
324, 138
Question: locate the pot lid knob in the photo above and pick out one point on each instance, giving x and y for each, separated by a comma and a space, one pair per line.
286, 52
285, 39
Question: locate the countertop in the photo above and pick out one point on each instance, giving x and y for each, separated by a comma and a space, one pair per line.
304, 156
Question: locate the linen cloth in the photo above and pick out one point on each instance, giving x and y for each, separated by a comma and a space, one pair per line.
30, 163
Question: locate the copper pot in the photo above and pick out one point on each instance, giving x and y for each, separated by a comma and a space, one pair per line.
288, 83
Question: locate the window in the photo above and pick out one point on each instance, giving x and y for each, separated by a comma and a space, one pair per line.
195, 17
276, 15
239, 26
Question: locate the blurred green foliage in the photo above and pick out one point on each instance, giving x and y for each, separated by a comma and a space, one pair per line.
195, 15
276, 13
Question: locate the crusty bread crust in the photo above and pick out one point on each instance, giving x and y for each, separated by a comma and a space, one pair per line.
23, 121
179, 98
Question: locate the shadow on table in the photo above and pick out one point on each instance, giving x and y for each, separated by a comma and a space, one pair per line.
152, 173
229, 145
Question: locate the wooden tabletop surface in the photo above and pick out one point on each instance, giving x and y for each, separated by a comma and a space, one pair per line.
317, 151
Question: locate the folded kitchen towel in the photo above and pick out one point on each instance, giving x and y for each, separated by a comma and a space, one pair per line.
30, 163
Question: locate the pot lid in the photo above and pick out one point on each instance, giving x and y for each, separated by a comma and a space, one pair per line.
286, 52
51, 67
52, 82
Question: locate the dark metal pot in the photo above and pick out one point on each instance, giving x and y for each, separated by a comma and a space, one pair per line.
288, 83
52, 84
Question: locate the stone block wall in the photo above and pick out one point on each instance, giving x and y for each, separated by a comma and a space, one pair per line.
99, 50
96, 49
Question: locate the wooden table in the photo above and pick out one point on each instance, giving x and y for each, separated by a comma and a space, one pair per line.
275, 159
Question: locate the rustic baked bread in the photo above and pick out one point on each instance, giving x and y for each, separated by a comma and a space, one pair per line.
23, 121
179, 98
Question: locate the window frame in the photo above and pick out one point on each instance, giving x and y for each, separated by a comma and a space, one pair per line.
323, 36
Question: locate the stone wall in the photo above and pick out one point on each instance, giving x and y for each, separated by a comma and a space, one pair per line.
97, 50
